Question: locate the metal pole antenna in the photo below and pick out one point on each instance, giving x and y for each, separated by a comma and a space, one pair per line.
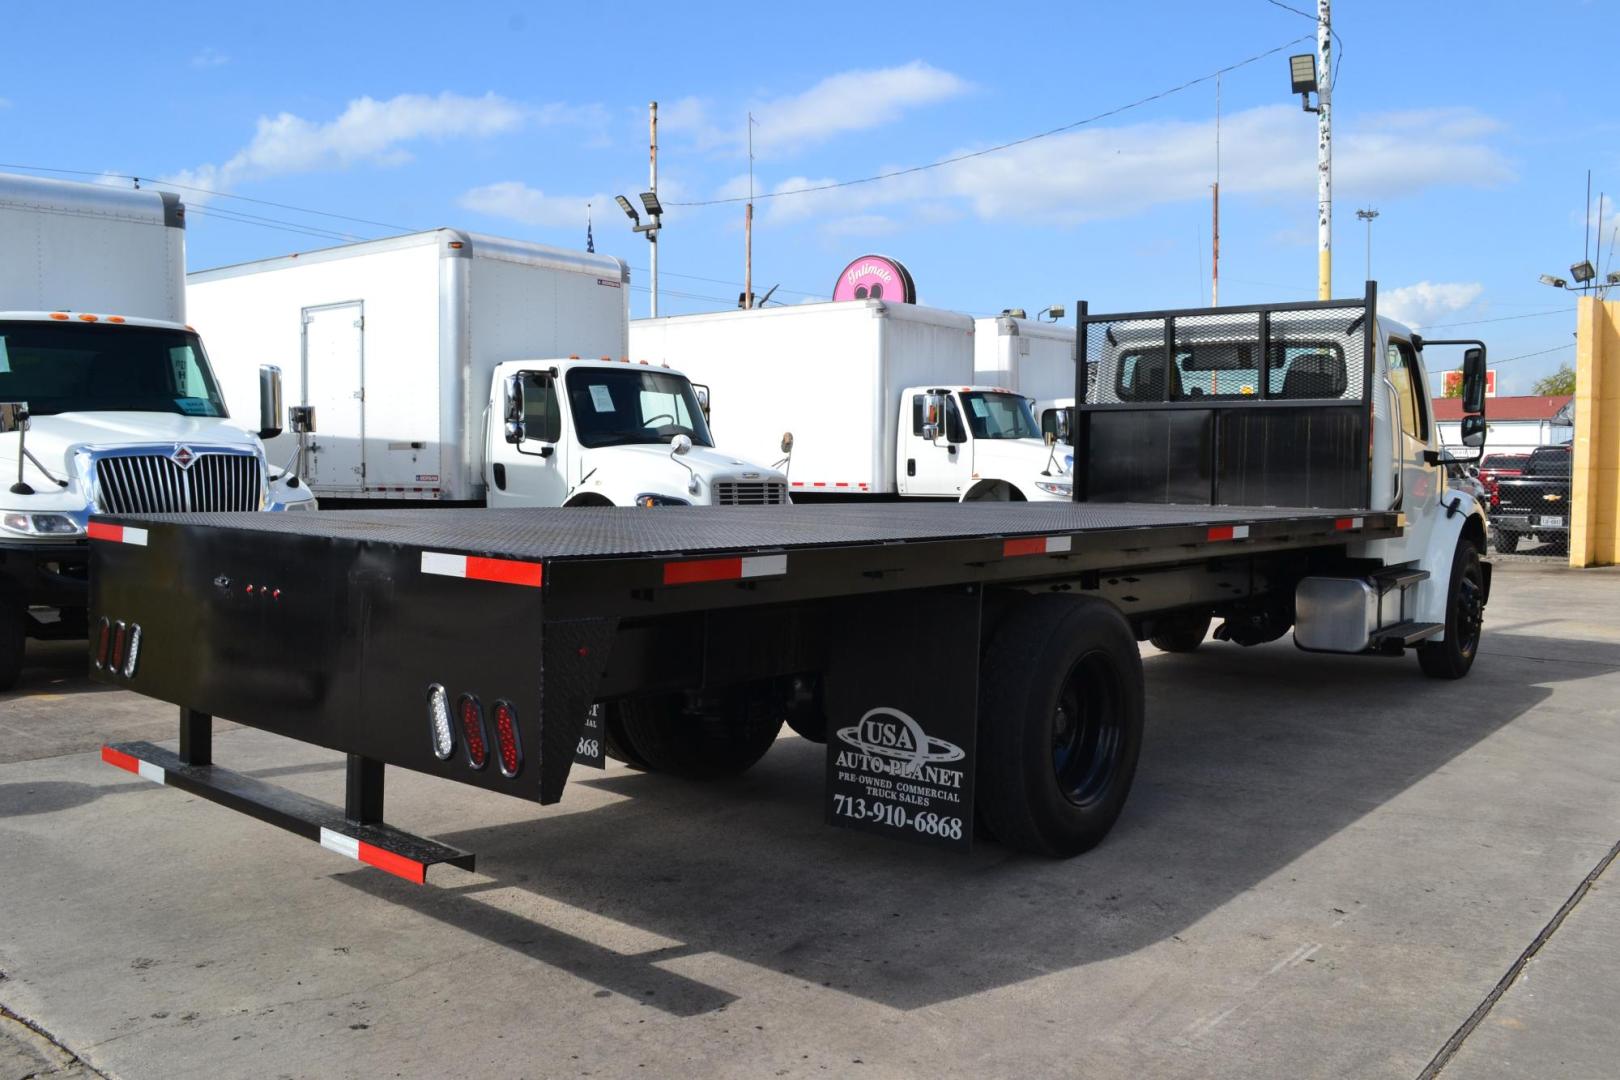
1324, 152
1367, 215
1215, 233
748, 224
652, 155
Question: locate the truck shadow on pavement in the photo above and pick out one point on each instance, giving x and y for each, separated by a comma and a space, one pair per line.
1253, 757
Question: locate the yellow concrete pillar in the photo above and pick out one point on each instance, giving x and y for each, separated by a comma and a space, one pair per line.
1594, 533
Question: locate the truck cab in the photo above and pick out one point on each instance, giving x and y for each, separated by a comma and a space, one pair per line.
603, 433
977, 443
108, 414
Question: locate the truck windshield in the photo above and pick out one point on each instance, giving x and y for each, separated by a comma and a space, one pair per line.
992, 415
615, 406
60, 367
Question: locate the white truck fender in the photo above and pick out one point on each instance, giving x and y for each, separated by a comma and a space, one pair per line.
1459, 514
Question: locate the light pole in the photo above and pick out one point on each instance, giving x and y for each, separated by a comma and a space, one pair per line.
1367, 215
1315, 73
655, 212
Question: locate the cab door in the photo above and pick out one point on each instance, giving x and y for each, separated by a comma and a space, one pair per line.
1419, 484
533, 472
934, 468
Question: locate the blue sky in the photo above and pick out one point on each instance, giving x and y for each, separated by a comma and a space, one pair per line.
1470, 129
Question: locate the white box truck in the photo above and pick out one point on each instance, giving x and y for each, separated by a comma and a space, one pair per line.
107, 400
879, 397
447, 367
1034, 358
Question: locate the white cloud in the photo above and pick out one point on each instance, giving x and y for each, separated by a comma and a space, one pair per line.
1420, 304
846, 102
210, 57
367, 131
517, 201
1099, 173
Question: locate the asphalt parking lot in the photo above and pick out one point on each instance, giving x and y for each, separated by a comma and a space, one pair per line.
1329, 867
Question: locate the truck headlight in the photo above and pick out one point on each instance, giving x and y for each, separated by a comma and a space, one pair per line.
1055, 487
41, 524
649, 499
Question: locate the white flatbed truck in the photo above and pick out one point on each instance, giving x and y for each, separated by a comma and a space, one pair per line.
970, 667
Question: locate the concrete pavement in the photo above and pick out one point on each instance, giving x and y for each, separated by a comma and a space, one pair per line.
1326, 866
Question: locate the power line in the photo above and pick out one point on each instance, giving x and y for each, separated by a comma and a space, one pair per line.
1006, 145
1500, 318
1528, 355
1338, 60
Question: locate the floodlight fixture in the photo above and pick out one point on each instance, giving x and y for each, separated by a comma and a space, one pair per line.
630, 211
1583, 271
649, 199
1613, 278
1555, 282
1302, 72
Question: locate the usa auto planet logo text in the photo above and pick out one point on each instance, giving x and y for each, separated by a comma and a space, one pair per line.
898, 755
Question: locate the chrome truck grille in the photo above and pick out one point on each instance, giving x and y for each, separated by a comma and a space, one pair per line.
161, 484
750, 492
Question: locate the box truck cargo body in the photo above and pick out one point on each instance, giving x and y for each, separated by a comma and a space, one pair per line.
395, 342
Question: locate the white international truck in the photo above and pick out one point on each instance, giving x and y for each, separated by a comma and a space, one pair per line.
970, 668
107, 400
879, 397
455, 369
1034, 358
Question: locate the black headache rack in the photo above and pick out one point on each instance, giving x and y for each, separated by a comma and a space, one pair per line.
1267, 405
335, 628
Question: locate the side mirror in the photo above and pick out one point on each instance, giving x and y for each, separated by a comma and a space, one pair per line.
1473, 431
269, 401
13, 416
1051, 438
933, 415
931, 432
787, 442
512, 406
680, 444
301, 419
1473, 388
703, 398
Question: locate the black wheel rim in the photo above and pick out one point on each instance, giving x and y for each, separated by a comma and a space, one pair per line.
1086, 731
1470, 609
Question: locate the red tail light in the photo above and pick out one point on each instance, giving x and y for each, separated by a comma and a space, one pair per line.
120, 635
472, 730
508, 749
103, 643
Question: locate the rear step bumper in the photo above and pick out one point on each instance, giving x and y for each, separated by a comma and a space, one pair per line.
383, 846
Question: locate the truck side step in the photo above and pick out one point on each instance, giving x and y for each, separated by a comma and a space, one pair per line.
1406, 633
383, 846
1398, 578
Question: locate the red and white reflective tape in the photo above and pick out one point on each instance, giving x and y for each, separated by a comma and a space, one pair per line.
130, 763
1228, 532
371, 855
1349, 523
748, 566
118, 534
479, 568
854, 484
1037, 545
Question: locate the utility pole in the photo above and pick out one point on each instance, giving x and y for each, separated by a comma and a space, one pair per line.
748, 224
652, 125
1215, 263
1324, 152
1367, 215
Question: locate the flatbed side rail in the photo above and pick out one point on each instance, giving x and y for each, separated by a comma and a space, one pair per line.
1261, 405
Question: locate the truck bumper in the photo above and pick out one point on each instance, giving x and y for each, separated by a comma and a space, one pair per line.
54, 575
1530, 523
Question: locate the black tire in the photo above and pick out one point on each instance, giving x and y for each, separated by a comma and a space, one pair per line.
1060, 724
13, 640
1465, 614
707, 745
1182, 632
615, 744
1506, 542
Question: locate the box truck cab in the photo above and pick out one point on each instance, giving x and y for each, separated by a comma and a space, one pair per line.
1034, 358
107, 400
879, 399
603, 433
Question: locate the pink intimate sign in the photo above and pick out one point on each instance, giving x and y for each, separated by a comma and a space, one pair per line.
874, 277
